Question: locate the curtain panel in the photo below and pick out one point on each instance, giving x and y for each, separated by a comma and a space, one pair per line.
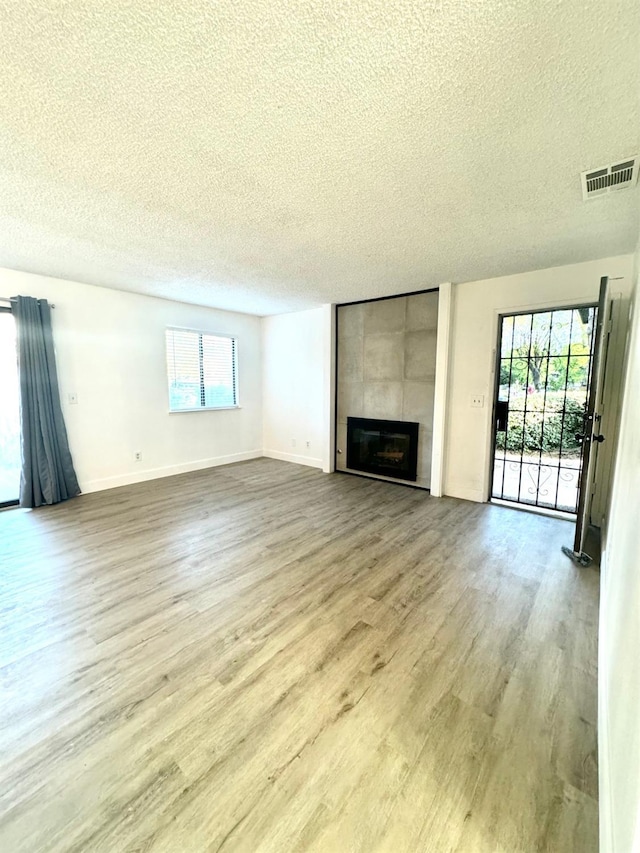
48, 476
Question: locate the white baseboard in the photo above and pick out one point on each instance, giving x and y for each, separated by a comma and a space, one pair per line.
166, 471
293, 457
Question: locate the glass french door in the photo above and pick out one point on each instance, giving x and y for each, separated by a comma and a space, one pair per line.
544, 371
9, 412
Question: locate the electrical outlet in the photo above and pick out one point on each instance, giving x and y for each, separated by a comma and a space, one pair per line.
477, 401
308, 444
72, 398
138, 456
293, 442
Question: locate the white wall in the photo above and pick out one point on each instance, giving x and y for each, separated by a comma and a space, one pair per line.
111, 352
101, 333
619, 637
297, 352
295, 356
477, 305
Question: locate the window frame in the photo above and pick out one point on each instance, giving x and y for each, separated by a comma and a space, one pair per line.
203, 333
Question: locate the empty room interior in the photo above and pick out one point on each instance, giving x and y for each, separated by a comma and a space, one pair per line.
319, 426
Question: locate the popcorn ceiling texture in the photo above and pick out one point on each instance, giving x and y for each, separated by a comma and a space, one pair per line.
268, 156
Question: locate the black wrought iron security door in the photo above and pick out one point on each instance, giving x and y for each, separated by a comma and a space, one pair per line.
543, 373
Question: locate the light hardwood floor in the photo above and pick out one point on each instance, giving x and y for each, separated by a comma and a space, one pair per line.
262, 657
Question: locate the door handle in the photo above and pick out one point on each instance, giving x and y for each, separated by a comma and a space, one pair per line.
579, 437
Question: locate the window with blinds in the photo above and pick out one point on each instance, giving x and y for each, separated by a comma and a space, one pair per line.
202, 371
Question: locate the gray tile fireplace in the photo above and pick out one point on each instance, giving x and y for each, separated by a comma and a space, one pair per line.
386, 363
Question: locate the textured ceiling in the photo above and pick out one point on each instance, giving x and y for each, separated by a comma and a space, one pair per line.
270, 155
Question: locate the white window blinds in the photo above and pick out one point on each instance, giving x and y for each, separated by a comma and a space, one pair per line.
202, 370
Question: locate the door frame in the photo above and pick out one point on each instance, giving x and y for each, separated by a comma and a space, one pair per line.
524, 308
593, 418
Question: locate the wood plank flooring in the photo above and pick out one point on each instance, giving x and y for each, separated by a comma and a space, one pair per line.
263, 657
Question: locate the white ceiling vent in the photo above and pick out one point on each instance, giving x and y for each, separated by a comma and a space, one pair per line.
608, 179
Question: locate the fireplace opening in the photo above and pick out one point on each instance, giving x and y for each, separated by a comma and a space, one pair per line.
389, 448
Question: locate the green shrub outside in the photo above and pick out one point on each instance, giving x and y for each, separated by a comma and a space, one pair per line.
555, 436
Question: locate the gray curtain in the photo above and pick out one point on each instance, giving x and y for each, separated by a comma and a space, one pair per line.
47, 468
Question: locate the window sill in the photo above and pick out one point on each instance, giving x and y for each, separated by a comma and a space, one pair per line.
203, 409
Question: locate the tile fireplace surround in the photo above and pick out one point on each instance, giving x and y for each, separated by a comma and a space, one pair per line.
386, 368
